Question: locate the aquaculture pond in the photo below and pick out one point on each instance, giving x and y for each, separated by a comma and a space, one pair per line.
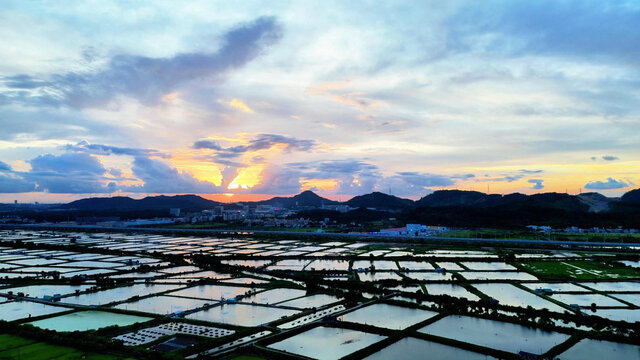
15, 310
336, 265
274, 296
595, 349
557, 287
379, 275
164, 305
628, 315
497, 275
412, 349
630, 298
244, 281
429, 276
312, 301
415, 265
614, 286
87, 320
477, 265
388, 316
289, 265
212, 292
449, 265
42, 290
241, 314
325, 343
378, 264
587, 299
495, 334
508, 294
451, 290
118, 294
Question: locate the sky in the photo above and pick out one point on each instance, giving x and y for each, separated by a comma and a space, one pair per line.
247, 100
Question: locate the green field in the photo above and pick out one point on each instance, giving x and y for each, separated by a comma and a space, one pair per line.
579, 270
16, 347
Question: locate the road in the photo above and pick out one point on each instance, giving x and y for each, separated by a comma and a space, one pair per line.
366, 237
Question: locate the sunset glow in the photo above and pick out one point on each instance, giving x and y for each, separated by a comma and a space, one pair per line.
213, 100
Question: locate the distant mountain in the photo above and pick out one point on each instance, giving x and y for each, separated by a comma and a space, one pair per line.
632, 196
550, 200
121, 203
304, 199
442, 198
460, 198
380, 201
596, 201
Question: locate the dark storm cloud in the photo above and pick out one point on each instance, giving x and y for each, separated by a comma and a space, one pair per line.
144, 78
610, 184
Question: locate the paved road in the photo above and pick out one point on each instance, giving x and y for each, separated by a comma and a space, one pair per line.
368, 237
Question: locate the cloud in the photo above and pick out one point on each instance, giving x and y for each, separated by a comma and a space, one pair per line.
507, 177
426, 180
260, 142
68, 173
555, 27
537, 183
525, 171
4, 166
67, 163
278, 180
609, 158
22, 82
144, 78
332, 168
160, 177
610, 184
240, 105
207, 144
82, 173
99, 149
10, 183
354, 176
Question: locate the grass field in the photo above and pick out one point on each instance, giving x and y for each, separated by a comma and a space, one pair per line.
528, 235
579, 270
15, 347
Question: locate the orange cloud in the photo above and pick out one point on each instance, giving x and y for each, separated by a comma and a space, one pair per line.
240, 105
247, 178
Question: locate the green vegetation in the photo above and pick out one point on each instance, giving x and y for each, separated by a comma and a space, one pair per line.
578, 270
16, 347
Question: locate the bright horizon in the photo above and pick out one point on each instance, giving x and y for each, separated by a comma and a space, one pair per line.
273, 99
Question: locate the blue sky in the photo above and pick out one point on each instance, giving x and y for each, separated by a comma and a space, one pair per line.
254, 98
